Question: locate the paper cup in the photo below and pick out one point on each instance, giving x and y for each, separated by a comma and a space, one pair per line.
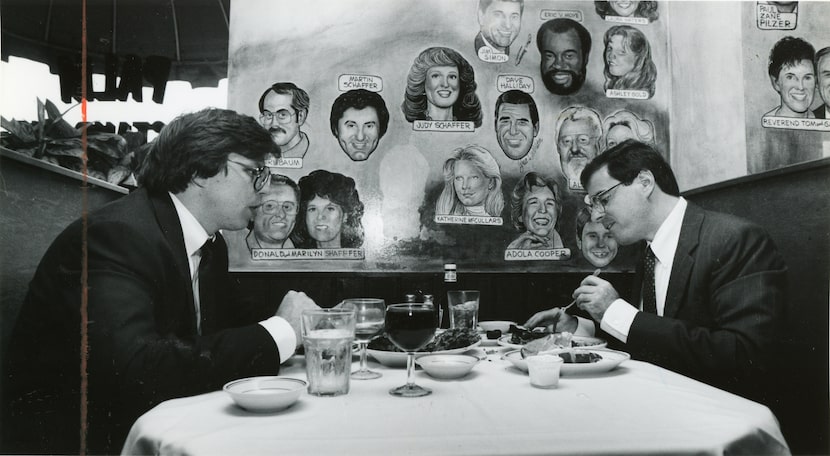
544, 370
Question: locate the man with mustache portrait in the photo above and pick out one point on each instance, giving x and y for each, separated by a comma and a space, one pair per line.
283, 109
565, 45
578, 135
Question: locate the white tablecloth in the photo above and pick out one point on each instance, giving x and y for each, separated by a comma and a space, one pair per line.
638, 408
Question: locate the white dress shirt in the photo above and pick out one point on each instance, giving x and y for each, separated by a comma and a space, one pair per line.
620, 315
194, 237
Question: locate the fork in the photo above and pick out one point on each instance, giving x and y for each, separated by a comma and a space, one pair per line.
595, 274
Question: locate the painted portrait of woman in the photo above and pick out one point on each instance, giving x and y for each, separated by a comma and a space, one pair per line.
628, 63
441, 86
627, 8
535, 208
331, 212
472, 184
623, 125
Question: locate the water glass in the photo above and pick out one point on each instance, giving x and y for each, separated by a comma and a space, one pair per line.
463, 307
327, 339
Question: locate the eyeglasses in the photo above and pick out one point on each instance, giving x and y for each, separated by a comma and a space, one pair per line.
282, 116
601, 199
271, 207
581, 140
259, 175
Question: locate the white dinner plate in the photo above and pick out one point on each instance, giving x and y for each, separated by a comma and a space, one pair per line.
610, 360
398, 359
581, 341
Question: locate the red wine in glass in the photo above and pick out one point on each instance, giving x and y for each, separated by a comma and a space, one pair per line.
410, 327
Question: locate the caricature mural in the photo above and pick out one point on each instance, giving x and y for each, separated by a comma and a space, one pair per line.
409, 179
787, 68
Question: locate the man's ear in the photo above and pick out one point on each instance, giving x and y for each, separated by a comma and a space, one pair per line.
301, 115
480, 16
646, 180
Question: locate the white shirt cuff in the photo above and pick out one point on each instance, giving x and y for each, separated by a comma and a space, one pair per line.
618, 319
283, 335
584, 327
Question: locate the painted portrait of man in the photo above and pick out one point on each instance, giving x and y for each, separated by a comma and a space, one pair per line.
578, 135
283, 109
500, 22
565, 46
823, 71
517, 123
359, 119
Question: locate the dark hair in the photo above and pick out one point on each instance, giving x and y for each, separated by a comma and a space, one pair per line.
646, 9
582, 219
198, 144
484, 4
340, 190
563, 25
788, 51
299, 97
359, 99
466, 108
521, 98
644, 74
627, 159
521, 189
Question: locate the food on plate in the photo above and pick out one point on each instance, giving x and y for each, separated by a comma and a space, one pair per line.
521, 335
579, 356
549, 342
447, 340
494, 334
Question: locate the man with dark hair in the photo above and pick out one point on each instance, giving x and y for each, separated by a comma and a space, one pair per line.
565, 45
500, 22
133, 305
710, 295
283, 109
517, 123
823, 71
359, 119
792, 73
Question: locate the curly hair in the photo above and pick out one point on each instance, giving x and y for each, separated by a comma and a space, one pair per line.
198, 144
646, 9
359, 99
522, 188
448, 203
340, 190
644, 74
643, 129
414, 106
789, 51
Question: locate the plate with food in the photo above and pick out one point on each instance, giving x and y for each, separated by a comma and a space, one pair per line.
554, 341
492, 331
578, 361
447, 342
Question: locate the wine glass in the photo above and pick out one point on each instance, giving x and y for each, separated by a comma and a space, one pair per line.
410, 327
369, 318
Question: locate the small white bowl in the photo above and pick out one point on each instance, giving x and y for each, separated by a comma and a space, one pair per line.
265, 394
447, 366
502, 326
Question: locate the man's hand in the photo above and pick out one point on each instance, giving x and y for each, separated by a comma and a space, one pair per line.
555, 318
292, 306
595, 295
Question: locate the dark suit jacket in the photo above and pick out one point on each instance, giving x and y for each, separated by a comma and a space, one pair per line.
143, 347
479, 43
819, 112
725, 306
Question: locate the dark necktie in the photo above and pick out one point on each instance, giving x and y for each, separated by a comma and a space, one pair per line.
206, 278
649, 295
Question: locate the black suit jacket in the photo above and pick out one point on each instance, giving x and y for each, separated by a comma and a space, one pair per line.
819, 112
725, 306
143, 347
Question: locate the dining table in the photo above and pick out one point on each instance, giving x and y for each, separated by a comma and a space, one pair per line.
636, 408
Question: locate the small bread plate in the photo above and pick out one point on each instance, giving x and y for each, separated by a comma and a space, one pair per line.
491, 326
398, 359
265, 394
447, 366
609, 361
585, 342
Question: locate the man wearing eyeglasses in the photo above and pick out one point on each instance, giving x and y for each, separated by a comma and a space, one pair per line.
135, 298
275, 218
578, 132
710, 295
283, 109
